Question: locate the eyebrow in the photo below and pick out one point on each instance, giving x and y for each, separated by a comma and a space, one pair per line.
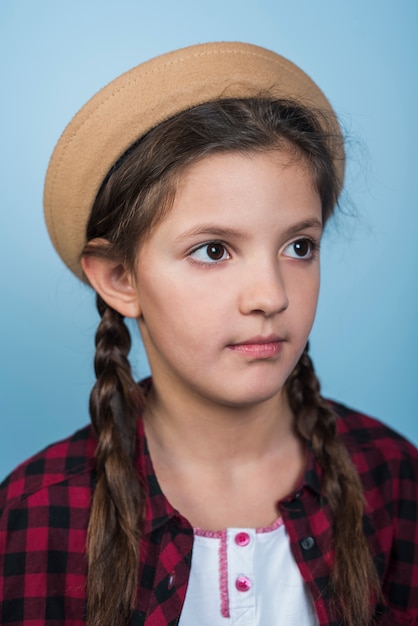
309, 224
214, 230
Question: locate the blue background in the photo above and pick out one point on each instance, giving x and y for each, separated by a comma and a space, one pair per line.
55, 55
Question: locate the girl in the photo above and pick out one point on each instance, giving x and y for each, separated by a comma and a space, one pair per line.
191, 194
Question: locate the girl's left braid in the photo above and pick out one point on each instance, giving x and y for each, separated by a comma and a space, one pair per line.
354, 580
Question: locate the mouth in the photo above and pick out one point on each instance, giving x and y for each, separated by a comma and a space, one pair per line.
259, 347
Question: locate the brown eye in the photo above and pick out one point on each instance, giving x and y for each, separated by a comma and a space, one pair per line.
210, 253
300, 249
215, 251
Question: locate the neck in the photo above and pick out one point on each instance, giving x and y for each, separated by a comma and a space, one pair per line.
217, 435
212, 461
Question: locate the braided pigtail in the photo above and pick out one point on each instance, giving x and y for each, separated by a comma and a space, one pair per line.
118, 502
354, 578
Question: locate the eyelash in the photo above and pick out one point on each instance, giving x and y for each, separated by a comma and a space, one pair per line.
311, 254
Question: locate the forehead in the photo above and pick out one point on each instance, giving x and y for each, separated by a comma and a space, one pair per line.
284, 155
228, 173
234, 188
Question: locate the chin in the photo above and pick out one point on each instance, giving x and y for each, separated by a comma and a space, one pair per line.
250, 395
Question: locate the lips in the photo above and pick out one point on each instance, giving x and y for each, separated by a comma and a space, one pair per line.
259, 347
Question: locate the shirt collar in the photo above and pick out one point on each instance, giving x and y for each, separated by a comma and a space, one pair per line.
313, 472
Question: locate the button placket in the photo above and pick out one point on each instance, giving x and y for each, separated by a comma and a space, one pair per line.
241, 553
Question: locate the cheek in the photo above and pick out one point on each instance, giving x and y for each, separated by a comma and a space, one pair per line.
303, 298
171, 311
181, 296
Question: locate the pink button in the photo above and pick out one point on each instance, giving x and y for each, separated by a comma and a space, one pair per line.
243, 583
242, 539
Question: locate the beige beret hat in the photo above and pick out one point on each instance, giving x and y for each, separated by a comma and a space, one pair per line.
139, 100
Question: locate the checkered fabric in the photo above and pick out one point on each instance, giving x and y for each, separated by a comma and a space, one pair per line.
44, 511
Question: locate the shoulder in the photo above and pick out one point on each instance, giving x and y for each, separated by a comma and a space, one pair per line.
64, 463
380, 454
44, 514
388, 467
360, 431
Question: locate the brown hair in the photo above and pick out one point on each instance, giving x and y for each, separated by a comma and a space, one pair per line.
133, 197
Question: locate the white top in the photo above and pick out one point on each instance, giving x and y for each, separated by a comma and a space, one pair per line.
246, 577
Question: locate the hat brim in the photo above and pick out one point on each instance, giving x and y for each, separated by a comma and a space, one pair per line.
137, 101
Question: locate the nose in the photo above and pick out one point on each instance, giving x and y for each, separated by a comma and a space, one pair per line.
263, 290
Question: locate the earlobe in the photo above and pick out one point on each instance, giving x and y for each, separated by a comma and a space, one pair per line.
114, 284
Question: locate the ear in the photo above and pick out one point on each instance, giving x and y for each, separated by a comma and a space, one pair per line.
114, 284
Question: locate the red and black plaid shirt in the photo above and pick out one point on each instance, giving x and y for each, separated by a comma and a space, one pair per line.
44, 509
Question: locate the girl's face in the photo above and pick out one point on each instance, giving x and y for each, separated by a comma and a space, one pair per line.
227, 283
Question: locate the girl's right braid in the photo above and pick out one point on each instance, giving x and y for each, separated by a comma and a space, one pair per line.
354, 578
118, 499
